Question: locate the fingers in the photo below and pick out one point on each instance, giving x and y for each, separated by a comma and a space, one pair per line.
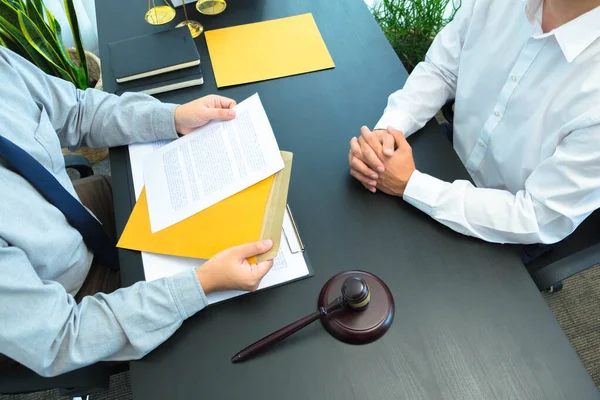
356, 153
369, 154
224, 114
359, 166
221, 101
368, 183
252, 249
355, 149
371, 189
263, 267
388, 144
399, 138
372, 139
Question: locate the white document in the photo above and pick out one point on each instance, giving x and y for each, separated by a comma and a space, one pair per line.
210, 164
137, 154
287, 266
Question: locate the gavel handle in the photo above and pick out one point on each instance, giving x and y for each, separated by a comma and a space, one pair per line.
277, 336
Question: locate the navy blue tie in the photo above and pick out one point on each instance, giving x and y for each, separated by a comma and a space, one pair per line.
77, 215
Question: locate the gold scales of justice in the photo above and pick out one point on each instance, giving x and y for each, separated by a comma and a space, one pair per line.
163, 13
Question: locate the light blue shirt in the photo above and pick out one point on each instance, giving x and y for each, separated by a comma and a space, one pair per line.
43, 259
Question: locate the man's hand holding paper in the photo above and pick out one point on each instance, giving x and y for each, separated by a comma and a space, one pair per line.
230, 269
191, 116
210, 164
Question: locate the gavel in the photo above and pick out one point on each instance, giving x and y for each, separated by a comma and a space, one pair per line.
355, 296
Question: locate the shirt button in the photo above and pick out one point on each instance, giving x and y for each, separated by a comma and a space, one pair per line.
514, 78
480, 143
497, 114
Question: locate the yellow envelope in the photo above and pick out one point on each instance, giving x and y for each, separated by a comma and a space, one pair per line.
275, 209
267, 50
231, 222
253, 214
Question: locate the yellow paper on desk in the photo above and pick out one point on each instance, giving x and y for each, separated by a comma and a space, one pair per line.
245, 217
267, 50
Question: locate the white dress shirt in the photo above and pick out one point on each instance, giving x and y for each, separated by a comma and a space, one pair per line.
526, 123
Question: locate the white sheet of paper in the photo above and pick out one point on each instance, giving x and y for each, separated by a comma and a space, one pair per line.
287, 266
137, 154
210, 164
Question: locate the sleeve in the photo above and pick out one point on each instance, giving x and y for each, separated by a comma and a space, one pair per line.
433, 81
94, 118
558, 195
44, 328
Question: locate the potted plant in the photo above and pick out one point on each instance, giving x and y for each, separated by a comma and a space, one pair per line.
411, 25
29, 29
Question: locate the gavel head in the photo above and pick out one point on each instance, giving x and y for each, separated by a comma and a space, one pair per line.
355, 293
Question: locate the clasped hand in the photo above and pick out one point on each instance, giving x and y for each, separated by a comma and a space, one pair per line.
381, 160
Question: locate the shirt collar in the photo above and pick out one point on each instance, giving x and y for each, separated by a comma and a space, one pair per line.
573, 37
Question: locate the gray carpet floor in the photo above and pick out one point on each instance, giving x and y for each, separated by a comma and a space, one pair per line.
576, 307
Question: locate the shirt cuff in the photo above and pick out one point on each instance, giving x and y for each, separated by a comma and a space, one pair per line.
400, 121
163, 121
423, 191
188, 293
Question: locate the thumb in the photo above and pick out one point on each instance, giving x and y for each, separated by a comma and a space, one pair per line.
216, 113
398, 138
252, 249
263, 267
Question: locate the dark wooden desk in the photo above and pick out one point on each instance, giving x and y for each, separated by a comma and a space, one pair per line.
470, 324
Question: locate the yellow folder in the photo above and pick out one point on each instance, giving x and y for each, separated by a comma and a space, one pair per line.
267, 50
275, 208
244, 217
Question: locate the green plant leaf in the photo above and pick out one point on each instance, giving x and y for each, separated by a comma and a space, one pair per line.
56, 28
39, 4
16, 4
24, 30
54, 25
72, 17
35, 13
27, 51
36, 40
8, 42
411, 25
9, 12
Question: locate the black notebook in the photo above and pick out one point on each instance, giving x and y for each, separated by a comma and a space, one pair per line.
164, 82
148, 55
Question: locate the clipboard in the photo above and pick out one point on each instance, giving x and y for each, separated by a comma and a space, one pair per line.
297, 238
299, 241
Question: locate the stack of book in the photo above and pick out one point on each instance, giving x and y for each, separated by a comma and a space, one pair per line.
156, 63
